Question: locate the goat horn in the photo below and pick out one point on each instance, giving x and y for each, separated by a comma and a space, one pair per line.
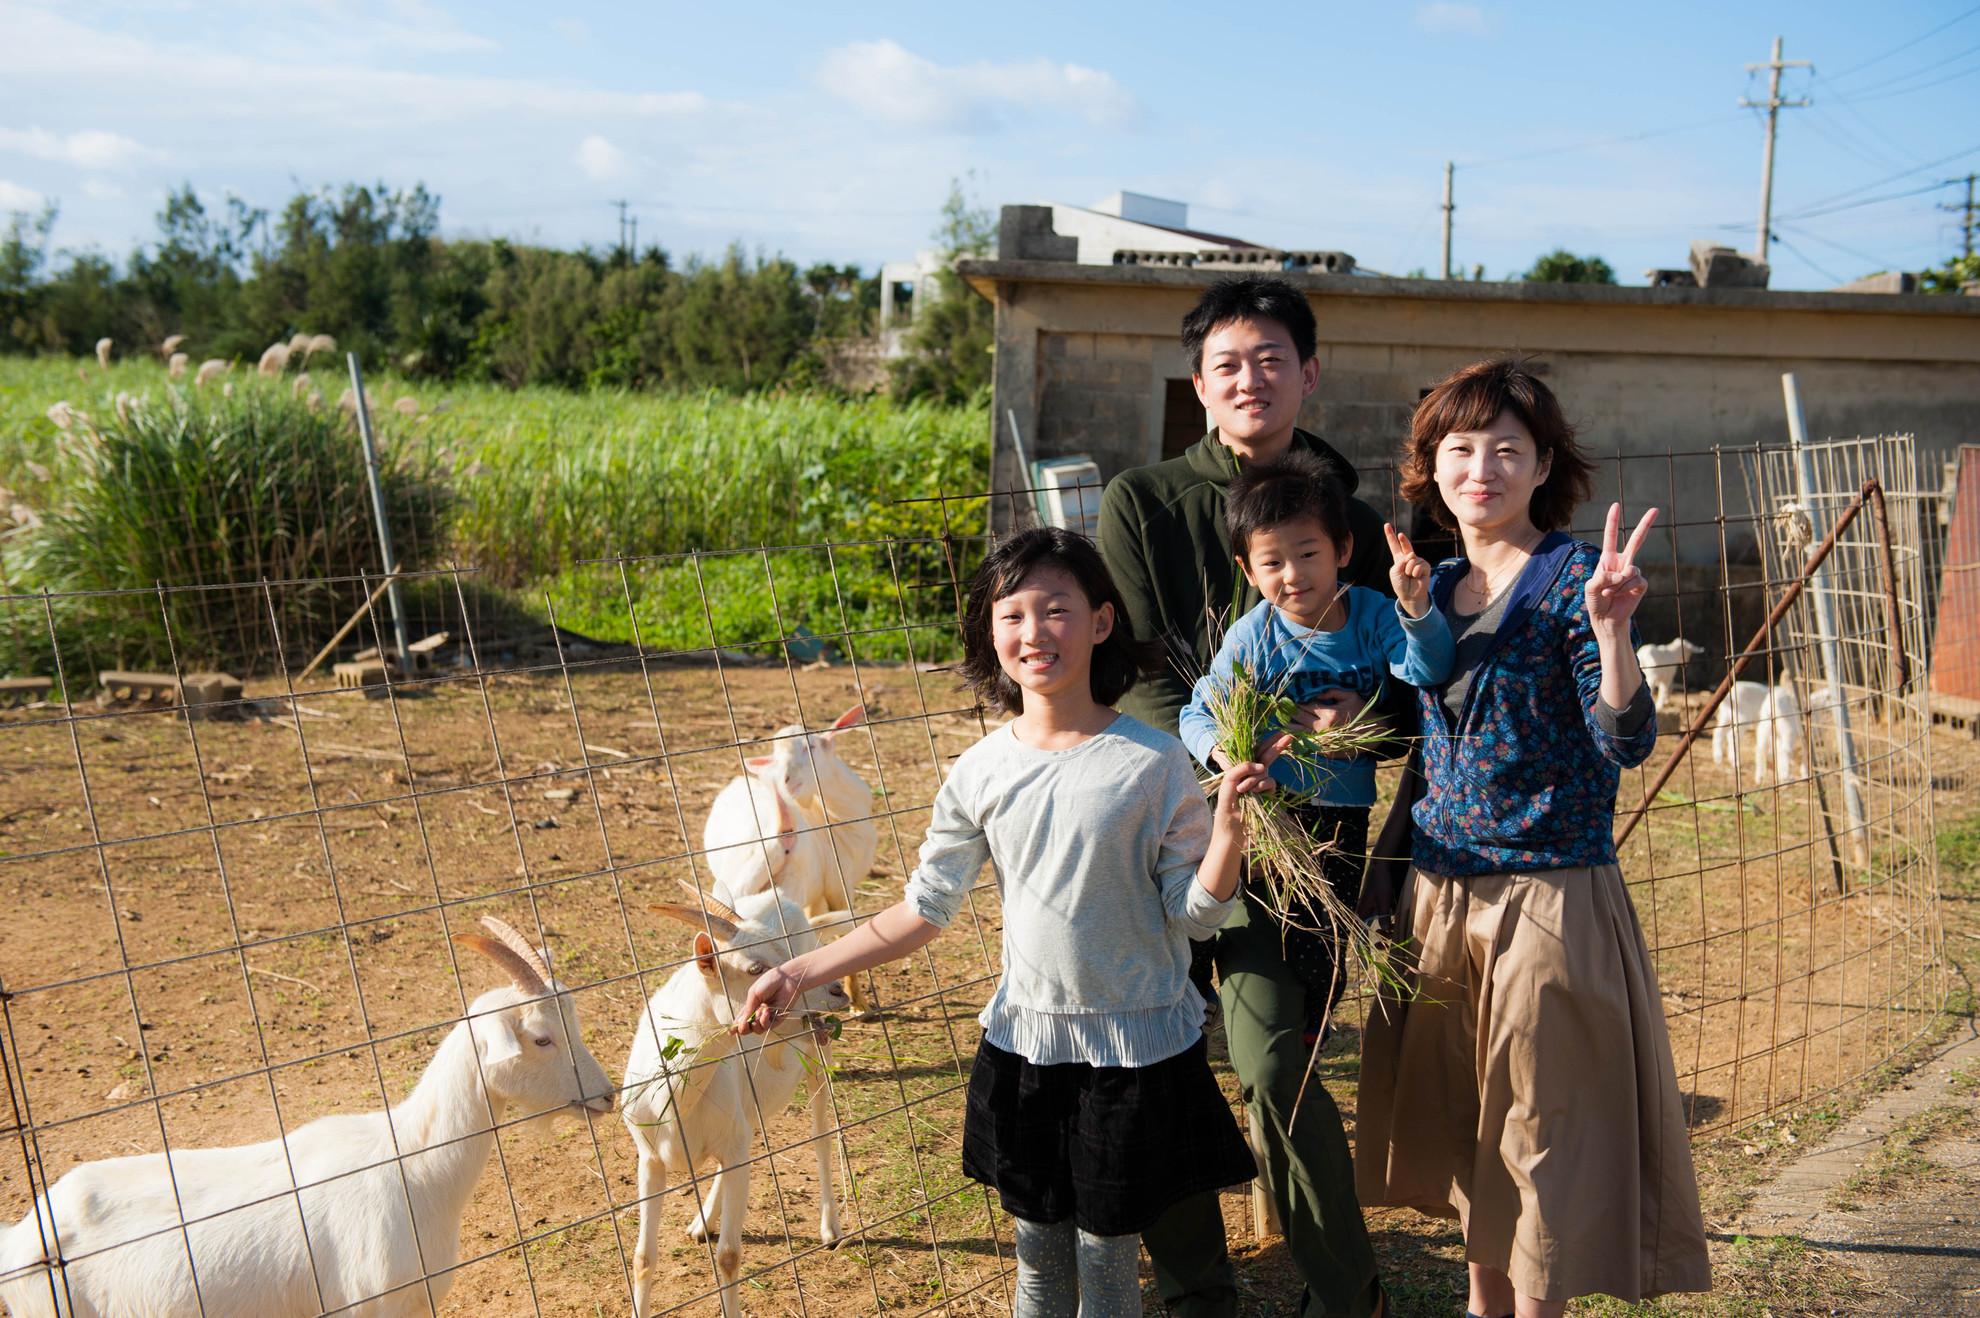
505, 956
714, 907
519, 945
725, 930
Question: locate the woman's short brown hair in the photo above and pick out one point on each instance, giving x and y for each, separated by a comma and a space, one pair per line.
1471, 399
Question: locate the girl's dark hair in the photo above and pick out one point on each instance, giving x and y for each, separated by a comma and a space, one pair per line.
1118, 662
1290, 488
1249, 297
1471, 399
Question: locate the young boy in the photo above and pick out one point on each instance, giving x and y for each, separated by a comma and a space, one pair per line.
1312, 638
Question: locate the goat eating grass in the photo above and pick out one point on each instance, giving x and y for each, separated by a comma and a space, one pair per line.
696, 1095
358, 1212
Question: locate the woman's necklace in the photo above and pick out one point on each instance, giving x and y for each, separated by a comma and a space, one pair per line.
1487, 592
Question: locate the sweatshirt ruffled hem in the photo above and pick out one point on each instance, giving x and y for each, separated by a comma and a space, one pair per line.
1124, 1038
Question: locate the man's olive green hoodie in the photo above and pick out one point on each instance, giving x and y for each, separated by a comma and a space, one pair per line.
1162, 533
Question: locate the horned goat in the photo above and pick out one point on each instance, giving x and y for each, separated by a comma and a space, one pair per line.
382, 1193
695, 1095
1662, 664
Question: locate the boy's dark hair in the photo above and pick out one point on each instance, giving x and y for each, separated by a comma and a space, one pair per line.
1287, 489
1472, 398
1248, 297
1118, 662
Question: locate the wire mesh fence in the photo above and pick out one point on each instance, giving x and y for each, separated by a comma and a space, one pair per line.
230, 921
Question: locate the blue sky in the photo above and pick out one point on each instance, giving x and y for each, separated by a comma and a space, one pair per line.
830, 132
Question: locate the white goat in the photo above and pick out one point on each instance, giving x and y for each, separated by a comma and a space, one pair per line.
692, 1099
381, 1193
825, 787
1778, 738
1742, 709
1661, 665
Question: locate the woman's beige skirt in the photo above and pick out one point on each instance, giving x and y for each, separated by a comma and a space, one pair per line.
1527, 1088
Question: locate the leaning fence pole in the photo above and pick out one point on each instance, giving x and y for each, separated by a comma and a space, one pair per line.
378, 512
1825, 623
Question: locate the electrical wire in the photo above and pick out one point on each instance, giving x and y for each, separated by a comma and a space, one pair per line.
1878, 59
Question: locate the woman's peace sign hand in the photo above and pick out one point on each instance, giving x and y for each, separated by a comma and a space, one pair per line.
1616, 585
1409, 573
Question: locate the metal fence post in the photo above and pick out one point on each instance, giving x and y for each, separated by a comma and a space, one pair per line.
1825, 624
378, 513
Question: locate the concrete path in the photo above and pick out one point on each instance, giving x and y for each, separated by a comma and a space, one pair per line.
1919, 1250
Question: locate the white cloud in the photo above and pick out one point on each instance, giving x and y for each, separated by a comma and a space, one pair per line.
573, 29
895, 84
14, 197
599, 159
1441, 16
90, 149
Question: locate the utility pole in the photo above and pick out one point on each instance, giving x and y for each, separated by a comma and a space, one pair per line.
621, 203
1967, 223
1773, 105
1449, 206
635, 240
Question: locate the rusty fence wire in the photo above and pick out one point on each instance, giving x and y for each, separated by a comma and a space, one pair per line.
226, 922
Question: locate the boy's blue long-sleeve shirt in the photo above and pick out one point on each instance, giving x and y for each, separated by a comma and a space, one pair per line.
1377, 641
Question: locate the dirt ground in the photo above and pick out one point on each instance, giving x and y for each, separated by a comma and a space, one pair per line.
222, 929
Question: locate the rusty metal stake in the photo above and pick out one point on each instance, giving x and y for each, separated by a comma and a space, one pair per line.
1872, 493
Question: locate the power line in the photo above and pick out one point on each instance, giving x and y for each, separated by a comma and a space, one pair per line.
621, 203
1773, 105
1598, 143
1878, 59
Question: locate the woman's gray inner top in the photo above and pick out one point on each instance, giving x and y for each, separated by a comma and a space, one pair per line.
1472, 633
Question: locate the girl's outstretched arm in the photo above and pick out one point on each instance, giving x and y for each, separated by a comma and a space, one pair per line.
1219, 871
888, 936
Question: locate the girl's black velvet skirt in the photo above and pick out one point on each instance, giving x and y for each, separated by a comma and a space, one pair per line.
1111, 1147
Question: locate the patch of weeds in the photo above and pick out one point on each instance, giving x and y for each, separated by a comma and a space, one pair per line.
1752, 1277
1902, 1157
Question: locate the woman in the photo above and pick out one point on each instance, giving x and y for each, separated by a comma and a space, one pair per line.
1526, 1086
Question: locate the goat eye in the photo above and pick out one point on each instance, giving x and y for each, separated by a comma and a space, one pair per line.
758, 969
546, 1042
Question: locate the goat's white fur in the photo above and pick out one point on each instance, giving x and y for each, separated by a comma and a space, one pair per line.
1660, 665
704, 1106
1775, 716
107, 1239
820, 865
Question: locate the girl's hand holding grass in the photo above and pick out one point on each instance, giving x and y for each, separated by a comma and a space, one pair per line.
1409, 573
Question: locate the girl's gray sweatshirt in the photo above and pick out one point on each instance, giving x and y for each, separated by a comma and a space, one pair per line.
1095, 851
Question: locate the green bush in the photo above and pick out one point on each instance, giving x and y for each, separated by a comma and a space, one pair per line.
179, 491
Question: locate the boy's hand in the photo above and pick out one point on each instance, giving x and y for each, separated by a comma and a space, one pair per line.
1409, 573
1331, 709
769, 1001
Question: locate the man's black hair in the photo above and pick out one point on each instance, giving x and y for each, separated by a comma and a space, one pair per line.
1248, 297
1290, 488
1118, 662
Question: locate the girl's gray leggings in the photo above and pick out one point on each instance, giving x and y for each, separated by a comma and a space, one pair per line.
1063, 1271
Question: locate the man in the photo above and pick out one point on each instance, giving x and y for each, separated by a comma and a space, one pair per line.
1250, 342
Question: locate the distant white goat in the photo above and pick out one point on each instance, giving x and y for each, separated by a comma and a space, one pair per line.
695, 1095
1661, 665
382, 1193
1743, 708
1778, 738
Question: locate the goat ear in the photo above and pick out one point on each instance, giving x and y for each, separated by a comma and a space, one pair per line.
758, 763
704, 953
853, 716
497, 1036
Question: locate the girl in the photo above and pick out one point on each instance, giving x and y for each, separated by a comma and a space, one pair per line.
1091, 1105
1527, 1086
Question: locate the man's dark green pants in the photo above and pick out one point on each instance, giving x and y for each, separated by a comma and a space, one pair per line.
1310, 1172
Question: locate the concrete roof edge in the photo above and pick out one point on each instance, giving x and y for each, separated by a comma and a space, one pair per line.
984, 275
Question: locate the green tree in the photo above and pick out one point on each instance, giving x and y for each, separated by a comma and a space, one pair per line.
23, 256
1948, 277
951, 341
1561, 266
